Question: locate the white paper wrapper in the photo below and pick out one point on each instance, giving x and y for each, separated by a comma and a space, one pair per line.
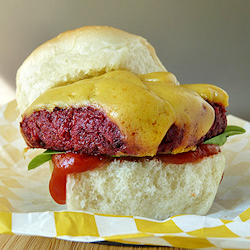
27, 208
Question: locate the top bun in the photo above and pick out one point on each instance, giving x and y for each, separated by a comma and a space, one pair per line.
82, 53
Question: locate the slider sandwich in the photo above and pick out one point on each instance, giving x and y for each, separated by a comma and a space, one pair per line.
123, 135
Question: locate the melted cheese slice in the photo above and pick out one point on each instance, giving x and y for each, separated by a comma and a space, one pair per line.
144, 107
209, 92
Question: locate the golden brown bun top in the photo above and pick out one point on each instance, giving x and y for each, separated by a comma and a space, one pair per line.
82, 53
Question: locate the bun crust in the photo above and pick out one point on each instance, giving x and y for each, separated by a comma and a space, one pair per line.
149, 188
82, 53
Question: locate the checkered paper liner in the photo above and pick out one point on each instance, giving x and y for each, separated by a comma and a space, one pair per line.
27, 208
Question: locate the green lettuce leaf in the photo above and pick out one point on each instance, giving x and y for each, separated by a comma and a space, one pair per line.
222, 138
42, 158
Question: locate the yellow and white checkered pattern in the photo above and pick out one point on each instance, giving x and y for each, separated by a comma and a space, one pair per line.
26, 206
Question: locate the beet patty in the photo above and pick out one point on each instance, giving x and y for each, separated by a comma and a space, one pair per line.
88, 130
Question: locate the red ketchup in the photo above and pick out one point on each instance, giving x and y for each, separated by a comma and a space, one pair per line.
202, 151
69, 163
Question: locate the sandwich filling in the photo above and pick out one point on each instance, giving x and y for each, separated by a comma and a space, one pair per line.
122, 114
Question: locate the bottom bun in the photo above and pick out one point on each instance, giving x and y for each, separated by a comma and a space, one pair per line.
147, 188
